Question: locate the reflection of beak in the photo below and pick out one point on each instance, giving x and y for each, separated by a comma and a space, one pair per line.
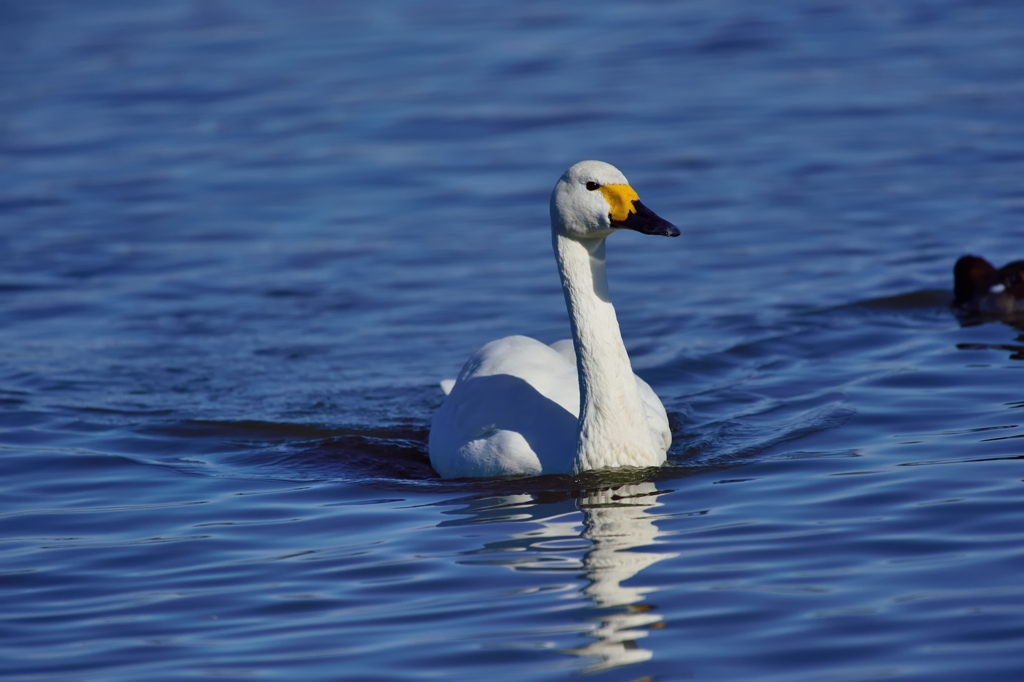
627, 211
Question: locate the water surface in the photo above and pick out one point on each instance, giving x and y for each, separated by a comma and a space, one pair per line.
242, 242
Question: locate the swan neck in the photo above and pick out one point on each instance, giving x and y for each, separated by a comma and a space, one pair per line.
613, 427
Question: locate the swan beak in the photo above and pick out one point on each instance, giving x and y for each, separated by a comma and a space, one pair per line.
627, 212
646, 221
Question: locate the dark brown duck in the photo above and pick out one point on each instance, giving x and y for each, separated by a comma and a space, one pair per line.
979, 287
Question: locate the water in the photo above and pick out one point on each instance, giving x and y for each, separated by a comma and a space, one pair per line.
242, 241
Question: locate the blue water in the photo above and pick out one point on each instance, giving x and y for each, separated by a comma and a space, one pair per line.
241, 242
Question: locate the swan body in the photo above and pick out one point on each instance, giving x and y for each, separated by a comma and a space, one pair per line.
520, 407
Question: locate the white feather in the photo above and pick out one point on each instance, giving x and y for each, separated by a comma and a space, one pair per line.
515, 407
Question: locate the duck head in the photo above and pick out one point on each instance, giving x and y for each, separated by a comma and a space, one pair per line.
970, 275
593, 198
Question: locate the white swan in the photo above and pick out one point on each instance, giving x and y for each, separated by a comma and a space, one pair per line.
515, 407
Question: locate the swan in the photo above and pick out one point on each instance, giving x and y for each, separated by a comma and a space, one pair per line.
523, 408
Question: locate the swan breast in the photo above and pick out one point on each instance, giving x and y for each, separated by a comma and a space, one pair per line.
514, 410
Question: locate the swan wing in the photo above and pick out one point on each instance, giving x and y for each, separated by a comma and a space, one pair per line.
512, 410
657, 418
567, 349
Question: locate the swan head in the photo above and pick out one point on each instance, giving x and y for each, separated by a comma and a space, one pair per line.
592, 199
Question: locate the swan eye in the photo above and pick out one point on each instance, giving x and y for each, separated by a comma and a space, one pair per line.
591, 185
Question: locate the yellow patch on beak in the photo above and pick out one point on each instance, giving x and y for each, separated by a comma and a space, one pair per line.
620, 198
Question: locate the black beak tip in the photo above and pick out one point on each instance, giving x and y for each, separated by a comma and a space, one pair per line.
646, 221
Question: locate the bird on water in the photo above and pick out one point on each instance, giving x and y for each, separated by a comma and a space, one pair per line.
521, 407
980, 287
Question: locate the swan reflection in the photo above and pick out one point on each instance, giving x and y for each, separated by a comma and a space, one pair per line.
615, 541
615, 522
